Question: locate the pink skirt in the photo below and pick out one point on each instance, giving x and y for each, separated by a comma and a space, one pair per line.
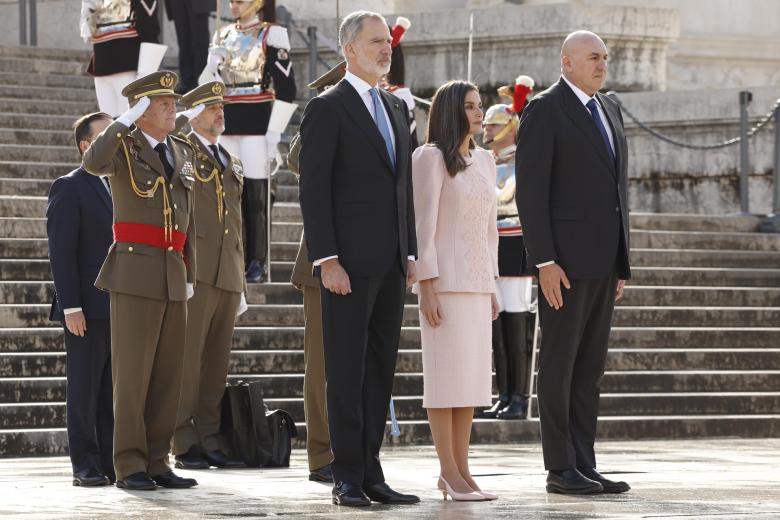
457, 363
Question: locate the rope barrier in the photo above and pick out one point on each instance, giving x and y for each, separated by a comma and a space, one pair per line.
753, 131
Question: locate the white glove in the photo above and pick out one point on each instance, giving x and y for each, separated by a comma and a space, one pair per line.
132, 114
190, 290
271, 141
242, 306
191, 113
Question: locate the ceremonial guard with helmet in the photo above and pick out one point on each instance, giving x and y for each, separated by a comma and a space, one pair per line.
252, 58
513, 330
116, 29
395, 81
220, 294
150, 271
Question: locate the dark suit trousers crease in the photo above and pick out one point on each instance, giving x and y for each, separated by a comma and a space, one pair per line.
89, 401
361, 332
571, 364
192, 34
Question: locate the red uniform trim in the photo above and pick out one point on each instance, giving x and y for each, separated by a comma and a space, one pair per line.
148, 235
514, 231
251, 98
115, 35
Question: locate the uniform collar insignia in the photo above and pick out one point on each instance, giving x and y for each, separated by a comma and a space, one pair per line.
238, 170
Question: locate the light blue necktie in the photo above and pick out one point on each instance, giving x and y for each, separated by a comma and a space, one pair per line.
381, 123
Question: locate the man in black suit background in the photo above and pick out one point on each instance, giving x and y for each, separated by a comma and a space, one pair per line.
358, 217
571, 196
79, 216
191, 19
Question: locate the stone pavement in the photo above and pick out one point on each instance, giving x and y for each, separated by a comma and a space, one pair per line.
724, 479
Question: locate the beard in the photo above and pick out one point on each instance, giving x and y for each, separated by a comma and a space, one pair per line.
372, 66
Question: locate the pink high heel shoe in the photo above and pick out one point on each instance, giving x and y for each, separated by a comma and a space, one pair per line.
446, 489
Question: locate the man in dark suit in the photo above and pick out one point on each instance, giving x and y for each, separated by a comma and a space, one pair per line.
191, 19
79, 229
571, 196
358, 217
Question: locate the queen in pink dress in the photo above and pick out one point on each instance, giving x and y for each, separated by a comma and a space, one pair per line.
455, 212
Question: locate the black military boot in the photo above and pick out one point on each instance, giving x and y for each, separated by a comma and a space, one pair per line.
499, 359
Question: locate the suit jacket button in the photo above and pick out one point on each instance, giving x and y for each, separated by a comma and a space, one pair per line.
170, 248
617, 209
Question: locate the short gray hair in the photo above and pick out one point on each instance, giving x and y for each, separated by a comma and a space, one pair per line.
352, 24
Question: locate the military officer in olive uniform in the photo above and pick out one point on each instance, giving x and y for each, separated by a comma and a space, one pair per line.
150, 273
314, 405
220, 291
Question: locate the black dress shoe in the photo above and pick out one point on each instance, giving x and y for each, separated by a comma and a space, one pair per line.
516, 409
571, 482
218, 459
89, 477
255, 272
137, 482
386, 495
499, 405
610, 486
191, 460
172, 480
349, 495
323, 474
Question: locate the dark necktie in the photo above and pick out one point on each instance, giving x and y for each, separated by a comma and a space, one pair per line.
215, 151
594, 111
161, 150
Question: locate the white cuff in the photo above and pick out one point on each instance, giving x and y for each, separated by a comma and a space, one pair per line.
551, 262
190, 290
242, 305
71, 310
411, 257
321, 260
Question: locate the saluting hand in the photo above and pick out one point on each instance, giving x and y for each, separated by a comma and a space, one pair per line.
334, 277
550, 279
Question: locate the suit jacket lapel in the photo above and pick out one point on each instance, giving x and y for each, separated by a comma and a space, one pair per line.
359, 113
400, 128
579, 115
97, 184
617, 132
146, 153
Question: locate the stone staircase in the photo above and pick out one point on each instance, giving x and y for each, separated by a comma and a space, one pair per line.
695, 348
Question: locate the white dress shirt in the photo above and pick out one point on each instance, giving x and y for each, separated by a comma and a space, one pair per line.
222, 157
584, 98
363, 89
154, 142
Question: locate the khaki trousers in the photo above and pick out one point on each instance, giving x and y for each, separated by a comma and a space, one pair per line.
314, 398
211, 318
147, 350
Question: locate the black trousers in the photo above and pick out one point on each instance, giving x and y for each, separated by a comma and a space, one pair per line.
89, 398
192, 34
361, 332
571, 364
253, 207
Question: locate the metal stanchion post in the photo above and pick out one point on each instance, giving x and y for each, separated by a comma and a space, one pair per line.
22, 22
33, 23
311, 32
745, 98
776, 172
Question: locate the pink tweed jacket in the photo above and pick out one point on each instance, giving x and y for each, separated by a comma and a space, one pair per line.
457, 238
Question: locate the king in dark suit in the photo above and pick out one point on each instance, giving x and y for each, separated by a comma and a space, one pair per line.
571, 164
78, 223
358, 217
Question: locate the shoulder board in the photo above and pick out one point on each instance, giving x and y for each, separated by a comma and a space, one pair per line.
181, 138
278, 37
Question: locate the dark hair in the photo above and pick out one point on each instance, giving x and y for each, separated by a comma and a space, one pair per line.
448, 124
397, 74
82, 128
269, 11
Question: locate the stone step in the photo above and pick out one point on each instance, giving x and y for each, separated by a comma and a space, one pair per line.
35, 153
80, 82
26, 227
42, 65
53, 441
689, 222
47, 53
37, 172
37, 138
47, 93
75, 109
26, 187
37, 121
49, 338
705, 276
704, 258
52, 414
705, 240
